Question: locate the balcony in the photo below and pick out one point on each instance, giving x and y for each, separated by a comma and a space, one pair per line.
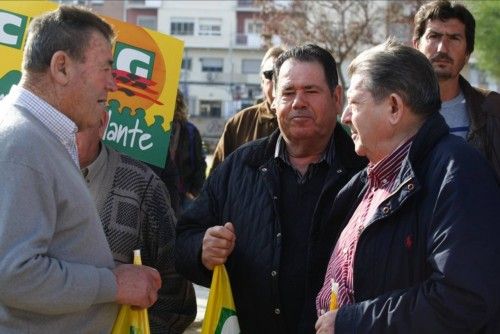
143, 3
247, 5
223, 78
249, 40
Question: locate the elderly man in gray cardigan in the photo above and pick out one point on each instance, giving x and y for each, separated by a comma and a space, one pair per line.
57, 273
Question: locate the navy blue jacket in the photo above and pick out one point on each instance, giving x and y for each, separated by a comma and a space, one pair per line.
429, 259
244, 190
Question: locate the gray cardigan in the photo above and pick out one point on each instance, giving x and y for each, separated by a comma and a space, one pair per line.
55, 261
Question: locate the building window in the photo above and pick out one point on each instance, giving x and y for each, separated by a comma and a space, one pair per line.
186, 64
182, 27
212, 64
152, 3
210, 108
250, 66
147, 21
246, 3
253, 27
209, 27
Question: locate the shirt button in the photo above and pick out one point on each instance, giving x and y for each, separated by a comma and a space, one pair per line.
277, 311
273, 273
410, 187
278, 235
264, 169
360, 229
339, 171
385, 209
344, 250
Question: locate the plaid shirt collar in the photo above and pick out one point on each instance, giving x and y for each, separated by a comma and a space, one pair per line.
96, 166
59, 124
281, 154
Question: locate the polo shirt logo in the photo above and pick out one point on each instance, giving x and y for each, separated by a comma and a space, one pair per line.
409, 242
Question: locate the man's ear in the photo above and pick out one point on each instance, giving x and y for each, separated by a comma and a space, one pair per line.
60, 67
397, 108
338, 96
467, 56
415, 43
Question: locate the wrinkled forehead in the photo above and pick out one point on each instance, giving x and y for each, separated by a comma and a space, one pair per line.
356, 85
298, 73
448, 26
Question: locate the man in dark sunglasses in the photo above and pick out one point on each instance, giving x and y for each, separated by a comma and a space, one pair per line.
254, 122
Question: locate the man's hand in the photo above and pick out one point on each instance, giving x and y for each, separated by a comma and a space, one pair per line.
326, 323
137, 285
218, 243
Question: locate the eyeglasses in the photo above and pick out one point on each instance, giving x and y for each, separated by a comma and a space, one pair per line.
268, 74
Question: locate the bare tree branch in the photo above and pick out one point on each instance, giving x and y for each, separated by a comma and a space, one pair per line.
343, 27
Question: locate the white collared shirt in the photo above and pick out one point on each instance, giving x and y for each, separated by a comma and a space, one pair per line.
57, 123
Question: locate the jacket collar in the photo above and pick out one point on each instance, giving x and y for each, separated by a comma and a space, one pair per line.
264, 113
433, 129
343, 147
430, 133
474, 99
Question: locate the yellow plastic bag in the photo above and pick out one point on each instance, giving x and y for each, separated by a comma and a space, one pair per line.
129, 320
220, 316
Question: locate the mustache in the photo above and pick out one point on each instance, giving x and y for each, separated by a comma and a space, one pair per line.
441, 56
300, 113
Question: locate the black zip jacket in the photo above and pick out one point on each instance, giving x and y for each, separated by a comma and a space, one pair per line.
244, 190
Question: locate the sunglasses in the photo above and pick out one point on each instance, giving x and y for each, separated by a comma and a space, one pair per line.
268, 74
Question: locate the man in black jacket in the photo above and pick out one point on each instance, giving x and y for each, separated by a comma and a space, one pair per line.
419, 251
444, 32
263, 210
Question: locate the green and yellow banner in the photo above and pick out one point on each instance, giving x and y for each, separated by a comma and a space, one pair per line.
146, 69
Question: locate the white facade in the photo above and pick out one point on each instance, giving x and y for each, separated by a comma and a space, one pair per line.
220, 70
222, 51
221, 67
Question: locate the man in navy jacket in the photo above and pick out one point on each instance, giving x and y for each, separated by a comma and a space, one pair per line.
419, 250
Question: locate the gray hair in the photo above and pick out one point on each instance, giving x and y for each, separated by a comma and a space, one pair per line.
272, 52
392, 67
69, 29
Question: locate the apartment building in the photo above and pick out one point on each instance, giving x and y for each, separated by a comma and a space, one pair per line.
223, 47
222, 55
222, 51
